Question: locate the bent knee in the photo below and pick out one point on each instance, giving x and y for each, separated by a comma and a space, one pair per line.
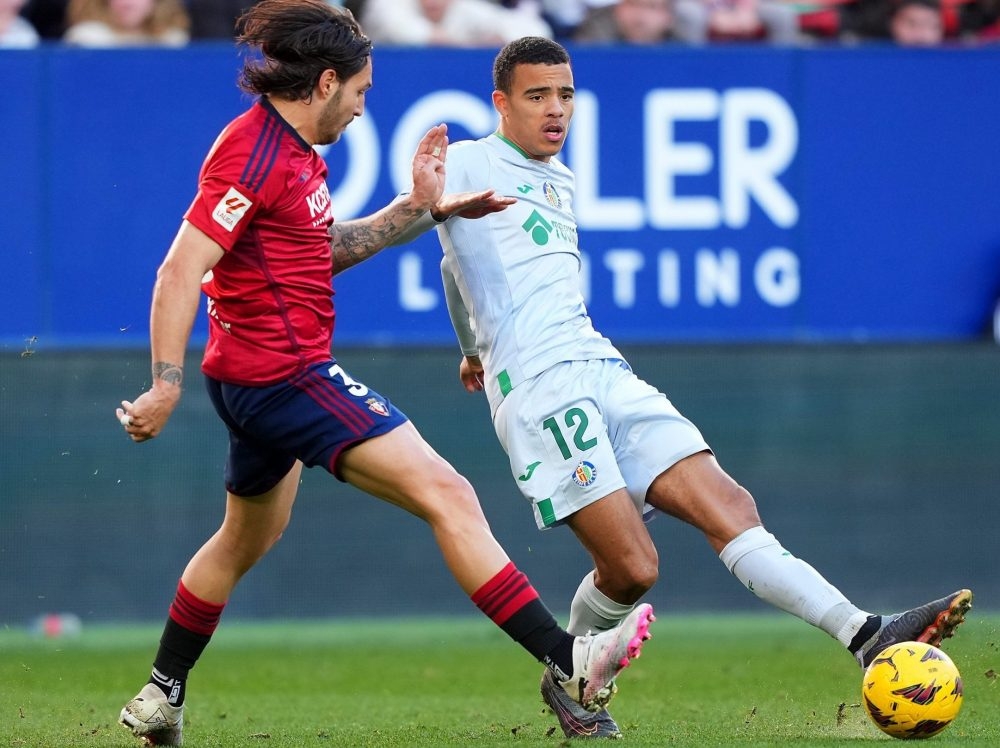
643, 579
247, 545
464, 499
449, 498
743, 508
629, 581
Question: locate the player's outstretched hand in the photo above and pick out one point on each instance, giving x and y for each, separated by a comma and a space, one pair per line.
470, 204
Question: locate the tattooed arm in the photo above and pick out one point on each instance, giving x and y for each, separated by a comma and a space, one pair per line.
354, 241
176, 297
412, 213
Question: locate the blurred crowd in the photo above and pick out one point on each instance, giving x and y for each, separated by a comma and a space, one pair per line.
492, 23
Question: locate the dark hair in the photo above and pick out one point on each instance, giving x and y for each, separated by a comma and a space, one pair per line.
297, 41
528, 50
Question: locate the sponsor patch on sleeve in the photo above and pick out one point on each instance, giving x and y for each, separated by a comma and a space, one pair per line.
231, 208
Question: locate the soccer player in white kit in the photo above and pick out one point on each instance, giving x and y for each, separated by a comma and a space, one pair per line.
590, 444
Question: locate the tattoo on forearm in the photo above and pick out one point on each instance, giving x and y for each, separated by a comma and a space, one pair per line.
169, 373
350, 245
352, 242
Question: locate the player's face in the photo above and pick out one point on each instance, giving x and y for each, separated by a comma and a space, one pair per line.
536, 113
344, 104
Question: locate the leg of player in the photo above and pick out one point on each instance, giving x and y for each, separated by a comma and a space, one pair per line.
625, 559
250, 528
403, 469
625, 562
698, 491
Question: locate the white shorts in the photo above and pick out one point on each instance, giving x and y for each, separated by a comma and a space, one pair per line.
583, 429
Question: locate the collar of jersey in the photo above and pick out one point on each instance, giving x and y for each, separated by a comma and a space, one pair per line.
272, 112
513, 145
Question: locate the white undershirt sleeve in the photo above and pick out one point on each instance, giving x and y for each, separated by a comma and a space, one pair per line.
457, 311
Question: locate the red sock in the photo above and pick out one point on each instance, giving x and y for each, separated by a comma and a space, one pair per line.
505, 594
189, 628
514, 605
193, 613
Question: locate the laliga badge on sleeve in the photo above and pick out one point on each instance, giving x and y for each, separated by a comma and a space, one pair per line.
231, 208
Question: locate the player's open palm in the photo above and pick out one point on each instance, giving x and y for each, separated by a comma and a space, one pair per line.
428, 166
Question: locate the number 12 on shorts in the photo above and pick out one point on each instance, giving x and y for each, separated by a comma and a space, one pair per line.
576, 423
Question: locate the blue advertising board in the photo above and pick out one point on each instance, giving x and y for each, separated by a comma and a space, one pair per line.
723, 194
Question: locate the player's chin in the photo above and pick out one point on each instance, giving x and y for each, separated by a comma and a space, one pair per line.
550, 147
330, 137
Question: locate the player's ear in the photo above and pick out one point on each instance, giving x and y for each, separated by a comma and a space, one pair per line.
500, 103
328, 82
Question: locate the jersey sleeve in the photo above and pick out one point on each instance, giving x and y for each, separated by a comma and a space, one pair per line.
227, 199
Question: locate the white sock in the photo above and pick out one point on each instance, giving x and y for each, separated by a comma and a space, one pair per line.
592, 610
756, 558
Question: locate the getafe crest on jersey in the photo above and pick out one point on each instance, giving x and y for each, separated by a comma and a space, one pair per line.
551, 195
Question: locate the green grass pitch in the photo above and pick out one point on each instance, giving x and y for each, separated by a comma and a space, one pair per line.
702, 681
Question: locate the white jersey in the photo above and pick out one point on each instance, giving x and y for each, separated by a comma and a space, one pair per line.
525, 308
577, 424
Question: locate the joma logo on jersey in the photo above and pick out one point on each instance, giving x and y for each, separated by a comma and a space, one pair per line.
319, 201
231, 208
529, 471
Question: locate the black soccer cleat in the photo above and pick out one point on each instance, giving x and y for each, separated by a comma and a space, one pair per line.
930, 623
575, 721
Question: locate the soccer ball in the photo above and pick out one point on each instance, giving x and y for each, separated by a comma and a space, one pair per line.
912, 690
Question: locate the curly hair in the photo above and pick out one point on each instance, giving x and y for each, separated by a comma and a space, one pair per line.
528, 50
298, 40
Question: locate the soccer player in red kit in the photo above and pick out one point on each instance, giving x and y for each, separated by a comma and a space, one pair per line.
260, 241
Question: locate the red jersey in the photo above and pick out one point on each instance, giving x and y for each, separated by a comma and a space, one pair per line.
262, 195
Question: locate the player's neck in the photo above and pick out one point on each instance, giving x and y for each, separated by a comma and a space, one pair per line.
514, 144
298, 115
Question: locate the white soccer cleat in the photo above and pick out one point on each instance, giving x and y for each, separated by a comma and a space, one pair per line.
598, 658
152, 719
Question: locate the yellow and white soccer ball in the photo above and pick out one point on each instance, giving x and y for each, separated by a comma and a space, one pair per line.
912, 690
